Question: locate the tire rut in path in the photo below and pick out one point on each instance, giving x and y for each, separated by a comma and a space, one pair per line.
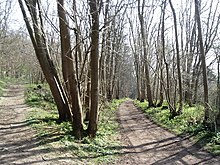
147, 143
18, 142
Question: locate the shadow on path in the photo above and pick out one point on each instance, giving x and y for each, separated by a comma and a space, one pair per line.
147, 143
18, 142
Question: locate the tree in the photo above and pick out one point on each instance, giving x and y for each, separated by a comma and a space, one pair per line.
203, 59
37, 35
69, 72
94, 63
144, 45
218, 92
178, 61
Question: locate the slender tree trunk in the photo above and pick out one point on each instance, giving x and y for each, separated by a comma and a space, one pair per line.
178, 61
136, 61
203, 59
87, 97
93, 121
167, 87
161, 86
143, 37
102, 67
188, 93
218, 94
143, 94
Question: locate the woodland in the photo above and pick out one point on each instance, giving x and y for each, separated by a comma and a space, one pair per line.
163, 53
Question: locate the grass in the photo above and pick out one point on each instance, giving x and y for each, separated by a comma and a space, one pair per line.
103, 149
39, 96
188, 123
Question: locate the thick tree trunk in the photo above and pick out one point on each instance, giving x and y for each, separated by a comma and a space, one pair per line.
93, 120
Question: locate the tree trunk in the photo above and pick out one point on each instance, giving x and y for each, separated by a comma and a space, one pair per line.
71, 75
94, 63
144, 44
43, 55
203, 59
178, 61
218, 94
143, 94
188, 93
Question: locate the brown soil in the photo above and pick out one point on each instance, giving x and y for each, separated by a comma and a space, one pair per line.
18, 142
147, 143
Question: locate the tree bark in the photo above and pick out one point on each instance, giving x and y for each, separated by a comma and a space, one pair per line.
144, 44
218, 94
203, 59
178, 60
94, 63
77, 122
43, 55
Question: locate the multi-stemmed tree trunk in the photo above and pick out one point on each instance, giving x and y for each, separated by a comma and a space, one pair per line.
69, 71
70, 99
94, 65
37, 35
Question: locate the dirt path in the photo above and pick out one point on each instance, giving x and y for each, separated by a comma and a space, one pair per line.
18, 142
146, 143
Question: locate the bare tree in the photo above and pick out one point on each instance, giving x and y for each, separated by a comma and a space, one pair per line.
203, 59
144, 44
178, 61
69, 72
94, 64
38, 38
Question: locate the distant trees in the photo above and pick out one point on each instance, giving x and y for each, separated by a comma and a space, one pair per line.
175, 58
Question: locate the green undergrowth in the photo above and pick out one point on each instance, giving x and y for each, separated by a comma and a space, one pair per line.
189, 123
102, 149
39, 96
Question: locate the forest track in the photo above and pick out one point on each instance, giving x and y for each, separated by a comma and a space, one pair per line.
18, 141
144, 142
